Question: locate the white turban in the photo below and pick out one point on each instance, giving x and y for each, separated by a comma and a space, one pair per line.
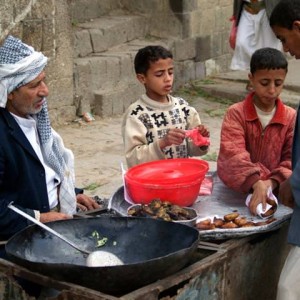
19, 64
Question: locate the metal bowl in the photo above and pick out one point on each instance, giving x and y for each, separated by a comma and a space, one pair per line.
190, 222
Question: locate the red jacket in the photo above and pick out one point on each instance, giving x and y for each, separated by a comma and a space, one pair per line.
249, 153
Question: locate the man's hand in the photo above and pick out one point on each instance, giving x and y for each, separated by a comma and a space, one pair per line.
85, 202
285, 194
53, 216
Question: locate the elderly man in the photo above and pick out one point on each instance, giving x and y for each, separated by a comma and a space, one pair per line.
36, 170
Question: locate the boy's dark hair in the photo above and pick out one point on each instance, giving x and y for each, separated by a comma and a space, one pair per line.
285, 13
267, 59
148, 55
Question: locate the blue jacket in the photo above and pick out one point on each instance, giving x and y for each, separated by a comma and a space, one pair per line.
22, 177
294, 229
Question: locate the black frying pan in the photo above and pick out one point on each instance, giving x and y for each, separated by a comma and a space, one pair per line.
150, 249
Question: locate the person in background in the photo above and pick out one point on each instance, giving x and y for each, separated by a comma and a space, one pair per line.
153, 127
285, 22
36, 170
257, 133
253, 31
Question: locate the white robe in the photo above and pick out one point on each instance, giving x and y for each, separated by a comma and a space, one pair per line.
254, 32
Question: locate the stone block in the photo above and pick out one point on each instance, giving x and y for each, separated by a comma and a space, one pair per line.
126, 68
203, 48
42, 9
212, 67
60, 116
136, 27
113, 71
133, 92
60, 93
7, 15
100, 41
200, 71
49, 37
98, 72
82, 43
114, 102
158, 28
146, 6
193, 23
190, 5
82, 80
217, 45
178, 75
185, 49
103, 106
33, 33
82, 105
82, 10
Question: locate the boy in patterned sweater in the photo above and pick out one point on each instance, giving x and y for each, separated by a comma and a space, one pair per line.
154, 127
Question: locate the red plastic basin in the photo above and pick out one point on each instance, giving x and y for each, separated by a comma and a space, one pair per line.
175, 180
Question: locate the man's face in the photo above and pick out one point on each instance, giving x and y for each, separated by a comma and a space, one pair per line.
29, 98
290, 38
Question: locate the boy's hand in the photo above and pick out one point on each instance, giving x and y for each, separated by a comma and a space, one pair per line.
260, 193
203, 130
174, 136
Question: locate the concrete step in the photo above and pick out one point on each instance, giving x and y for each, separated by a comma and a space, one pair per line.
103, 72
233, 87
113, 102
103, 33
105, 81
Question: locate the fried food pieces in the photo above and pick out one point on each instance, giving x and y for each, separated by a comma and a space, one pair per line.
271, 210
230, 221
162, 210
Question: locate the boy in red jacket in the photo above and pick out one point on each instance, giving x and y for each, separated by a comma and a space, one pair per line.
257, 133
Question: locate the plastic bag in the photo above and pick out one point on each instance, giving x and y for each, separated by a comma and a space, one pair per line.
197, 138
233, 33
271, 206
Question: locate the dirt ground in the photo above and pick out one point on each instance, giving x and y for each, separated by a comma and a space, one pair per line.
98, 146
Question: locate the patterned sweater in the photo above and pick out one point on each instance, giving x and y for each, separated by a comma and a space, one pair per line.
146, 121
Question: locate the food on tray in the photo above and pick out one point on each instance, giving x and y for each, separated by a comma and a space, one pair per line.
205, 225
240, 221
265, 222
229, 224
161, 210
231, 216
218, 222
230, 221
272, 202
270, 208
269, 212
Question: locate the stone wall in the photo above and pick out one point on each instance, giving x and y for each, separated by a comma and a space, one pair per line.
199, 29
46, 25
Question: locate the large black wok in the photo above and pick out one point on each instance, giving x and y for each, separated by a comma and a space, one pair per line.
150, 249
